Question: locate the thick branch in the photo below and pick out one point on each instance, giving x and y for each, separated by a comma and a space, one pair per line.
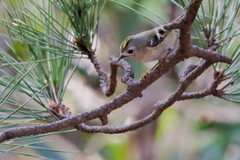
190, 14
188, 19
212, 56
41, 129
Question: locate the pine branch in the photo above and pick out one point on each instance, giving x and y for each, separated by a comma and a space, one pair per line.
135, 87
159, 106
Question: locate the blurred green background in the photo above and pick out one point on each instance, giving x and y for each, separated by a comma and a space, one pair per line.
204, 129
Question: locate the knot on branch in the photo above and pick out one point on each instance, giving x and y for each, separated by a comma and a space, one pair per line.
59, 110
219, 93
104, 119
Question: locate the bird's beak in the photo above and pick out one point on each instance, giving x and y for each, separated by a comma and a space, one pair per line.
121, 57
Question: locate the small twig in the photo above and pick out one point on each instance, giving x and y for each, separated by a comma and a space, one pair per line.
199, 94
108, 86
203, 93
128, 77
103, 79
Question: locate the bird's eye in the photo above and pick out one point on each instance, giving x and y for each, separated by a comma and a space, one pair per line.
130, 51
161, 31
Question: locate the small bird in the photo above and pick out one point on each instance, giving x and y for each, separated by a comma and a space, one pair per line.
154, 44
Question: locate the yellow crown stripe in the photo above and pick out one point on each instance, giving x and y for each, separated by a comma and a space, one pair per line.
124, 45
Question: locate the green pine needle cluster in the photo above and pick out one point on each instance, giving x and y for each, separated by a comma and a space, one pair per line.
39, 58
83, 18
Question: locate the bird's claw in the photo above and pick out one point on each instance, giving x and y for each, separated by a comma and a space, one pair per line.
144, 74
